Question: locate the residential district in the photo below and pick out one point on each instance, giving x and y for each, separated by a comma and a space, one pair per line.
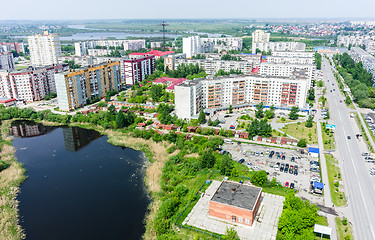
291, 122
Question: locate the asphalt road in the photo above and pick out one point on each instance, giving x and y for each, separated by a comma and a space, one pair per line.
359, 186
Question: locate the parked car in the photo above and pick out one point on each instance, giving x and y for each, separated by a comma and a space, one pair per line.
249, 164
364, 154
291, 185
295, 172
287, 165
286, 170
287, 184
292, 159
291, 169
349, 137
283, 157
241, 160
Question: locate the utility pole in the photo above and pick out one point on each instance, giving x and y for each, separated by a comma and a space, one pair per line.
164, 25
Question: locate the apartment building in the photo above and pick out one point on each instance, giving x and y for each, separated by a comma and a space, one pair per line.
188, 99
170, 60
216, 92
260, 36
293, 54
12, 46
83, 48
368, 61
45, 49
289, 60
278, 46
30, 85
353, 40
76, 87
213, 66
137, 67
224, 43
305, 71
193, 45
7, 61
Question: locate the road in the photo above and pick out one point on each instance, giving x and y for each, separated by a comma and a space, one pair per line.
359, 186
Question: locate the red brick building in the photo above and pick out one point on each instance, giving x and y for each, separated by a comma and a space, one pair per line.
236, 202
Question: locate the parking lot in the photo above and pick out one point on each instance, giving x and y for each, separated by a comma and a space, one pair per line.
258, 157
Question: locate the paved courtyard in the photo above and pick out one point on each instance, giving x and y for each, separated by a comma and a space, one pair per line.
263, 228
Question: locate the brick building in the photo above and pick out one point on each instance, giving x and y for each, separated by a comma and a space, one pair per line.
236, 202
137, 68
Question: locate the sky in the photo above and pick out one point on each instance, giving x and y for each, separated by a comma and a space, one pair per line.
187, 9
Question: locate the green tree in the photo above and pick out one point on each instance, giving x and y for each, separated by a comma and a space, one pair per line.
270, 113
259, 110
207, 160
156, 92
230, 234
302, 143
259, 178
293, 115
230, 109
225, 164
309, 121
311, 94
120, 119
202, 117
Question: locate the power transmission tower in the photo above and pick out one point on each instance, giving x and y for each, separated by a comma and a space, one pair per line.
164, 25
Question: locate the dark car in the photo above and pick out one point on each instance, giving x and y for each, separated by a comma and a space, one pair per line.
291, 185
292, 159
241, 160
287, 165
272, 152
286, 169
295, 166
283, 157
296, 172
291, 170
349, 137
278, 164
281, 168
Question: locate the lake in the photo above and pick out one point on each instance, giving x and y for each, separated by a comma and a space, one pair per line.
78, 186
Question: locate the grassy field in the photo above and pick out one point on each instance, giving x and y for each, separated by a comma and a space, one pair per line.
299, 131
10, 180
343, 231
18, 67
334, 176
328, 139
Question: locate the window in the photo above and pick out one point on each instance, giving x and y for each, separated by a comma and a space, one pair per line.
233, 218
247, 221
240, 219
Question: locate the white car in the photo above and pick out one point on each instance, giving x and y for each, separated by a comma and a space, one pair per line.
255, 167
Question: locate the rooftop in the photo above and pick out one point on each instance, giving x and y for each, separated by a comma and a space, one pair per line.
237, 195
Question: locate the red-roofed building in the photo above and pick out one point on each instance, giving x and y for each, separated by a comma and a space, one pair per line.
7, 102
169, 82
255, 70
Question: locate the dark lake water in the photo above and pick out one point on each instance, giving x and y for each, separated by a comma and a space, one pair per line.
78, 186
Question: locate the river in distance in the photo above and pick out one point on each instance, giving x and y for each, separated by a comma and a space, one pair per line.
78, 186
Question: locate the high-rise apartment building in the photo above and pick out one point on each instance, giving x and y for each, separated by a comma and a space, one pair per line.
45, 49
293, 54
76, 87
215, 93
30, 84
138, 67
191, 46
224, 43
278, 46
12, 46
7, 61
289, 60
260, 36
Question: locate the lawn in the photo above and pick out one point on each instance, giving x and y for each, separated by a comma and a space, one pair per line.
328, 138
18, 67
364, 135
299, 131
322, 221
334, 176
343, 231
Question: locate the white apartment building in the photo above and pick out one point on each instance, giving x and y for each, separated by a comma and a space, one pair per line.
135, 44
193, 45
214, 93
260, 36
293, 54
44, 49
7, 61
31, 84
368, 61
224, 43
305, 71
82, 47
290, 60
213, 66
188, 99
278, 46
98, 52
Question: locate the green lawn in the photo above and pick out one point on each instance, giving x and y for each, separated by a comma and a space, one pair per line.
334, 175
18, 67
343, 231
299, 131
328, 139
